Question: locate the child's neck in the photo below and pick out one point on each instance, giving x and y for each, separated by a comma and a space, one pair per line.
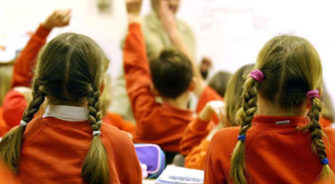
181, 101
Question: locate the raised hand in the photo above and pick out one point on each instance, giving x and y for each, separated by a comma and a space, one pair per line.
133, 8
212, 107
166, 17
59, 18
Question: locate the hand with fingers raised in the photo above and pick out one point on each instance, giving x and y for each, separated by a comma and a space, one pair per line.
213, 107
133, 8
59, 18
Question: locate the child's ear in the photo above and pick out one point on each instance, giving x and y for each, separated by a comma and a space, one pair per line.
192, 84
154, 90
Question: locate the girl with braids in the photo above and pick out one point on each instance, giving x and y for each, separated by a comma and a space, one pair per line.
280, 139
69, 143
200, 131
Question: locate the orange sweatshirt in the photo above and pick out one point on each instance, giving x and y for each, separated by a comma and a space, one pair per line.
156, 123
6, 176
195, 132
117, 121
275, 152
53, 151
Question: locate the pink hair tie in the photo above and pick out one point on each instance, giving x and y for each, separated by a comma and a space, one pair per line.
313, 94
257, 75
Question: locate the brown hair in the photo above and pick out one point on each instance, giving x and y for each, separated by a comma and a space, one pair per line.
171, 73
219, 82
69, 70
291, 67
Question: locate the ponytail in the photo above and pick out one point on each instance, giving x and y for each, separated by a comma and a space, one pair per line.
95, 168
244, 117
318, 146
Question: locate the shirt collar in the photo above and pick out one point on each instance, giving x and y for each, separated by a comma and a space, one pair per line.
66, 113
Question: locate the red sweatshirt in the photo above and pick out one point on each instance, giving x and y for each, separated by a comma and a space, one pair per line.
275, 153
53, 151
161, 124
156, 123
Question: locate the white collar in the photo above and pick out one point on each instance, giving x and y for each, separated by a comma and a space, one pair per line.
66, 113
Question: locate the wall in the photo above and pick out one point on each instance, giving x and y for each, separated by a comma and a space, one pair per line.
231, 32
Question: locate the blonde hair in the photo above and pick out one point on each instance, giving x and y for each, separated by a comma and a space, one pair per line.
291, 67
232, 99
106, 96
6, 72
70, 69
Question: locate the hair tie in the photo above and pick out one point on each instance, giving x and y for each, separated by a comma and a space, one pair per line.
257, 75
325, 161
241, 137
23, 123
96, 132
313, 94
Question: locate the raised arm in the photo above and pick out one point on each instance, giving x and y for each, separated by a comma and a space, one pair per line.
136, 67
16, 99
24, 65
168, 21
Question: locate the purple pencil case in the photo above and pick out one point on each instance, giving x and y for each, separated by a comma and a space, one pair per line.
152, 156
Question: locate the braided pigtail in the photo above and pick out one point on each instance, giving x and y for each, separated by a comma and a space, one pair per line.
318, 146
95, 168
244, 117
10, 145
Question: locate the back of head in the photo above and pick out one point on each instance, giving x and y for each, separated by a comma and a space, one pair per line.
233, 93
288, 67
171, 73
69, 71
219, 82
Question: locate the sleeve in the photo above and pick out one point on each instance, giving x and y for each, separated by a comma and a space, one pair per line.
207, 95
194, 133
13, 108
197, 157
214, 173
137, 74
127, 164
118, 121
23, 68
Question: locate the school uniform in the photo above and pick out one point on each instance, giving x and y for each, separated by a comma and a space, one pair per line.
194, 144
117, 121
6, 176
55, 145
275, 152
161, 124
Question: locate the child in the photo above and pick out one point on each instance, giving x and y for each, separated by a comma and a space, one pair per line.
69, 143
171, 77
199, 132
272, 146
17, 98
219, 82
